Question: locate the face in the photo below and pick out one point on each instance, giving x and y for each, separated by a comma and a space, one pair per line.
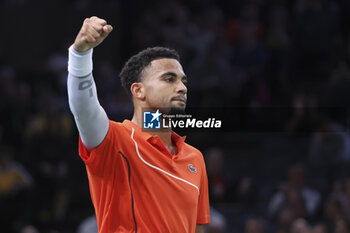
164, 85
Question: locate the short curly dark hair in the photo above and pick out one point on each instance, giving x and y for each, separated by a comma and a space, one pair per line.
133, 68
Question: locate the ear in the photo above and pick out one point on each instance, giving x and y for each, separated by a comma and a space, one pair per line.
138, 91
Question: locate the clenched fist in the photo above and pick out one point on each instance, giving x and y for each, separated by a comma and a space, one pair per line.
92, 33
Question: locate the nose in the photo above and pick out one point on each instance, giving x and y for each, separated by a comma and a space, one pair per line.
181, 88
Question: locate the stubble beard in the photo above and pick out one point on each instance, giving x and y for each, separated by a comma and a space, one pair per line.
177, 110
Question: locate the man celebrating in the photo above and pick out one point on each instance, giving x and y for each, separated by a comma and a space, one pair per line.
146, 182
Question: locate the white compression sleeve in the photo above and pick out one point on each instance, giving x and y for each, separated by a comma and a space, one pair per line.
90, 118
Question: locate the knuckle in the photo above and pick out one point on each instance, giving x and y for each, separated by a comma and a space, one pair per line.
98, 28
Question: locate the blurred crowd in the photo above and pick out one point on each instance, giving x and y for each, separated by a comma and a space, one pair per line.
291, 54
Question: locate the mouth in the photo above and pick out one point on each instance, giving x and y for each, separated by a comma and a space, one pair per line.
179, 98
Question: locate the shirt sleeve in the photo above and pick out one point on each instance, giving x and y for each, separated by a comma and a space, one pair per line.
97, 158
203, 214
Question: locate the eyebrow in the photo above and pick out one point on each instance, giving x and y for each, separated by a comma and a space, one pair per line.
173, 75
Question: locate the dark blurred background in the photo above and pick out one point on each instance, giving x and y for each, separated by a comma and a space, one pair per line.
246, 55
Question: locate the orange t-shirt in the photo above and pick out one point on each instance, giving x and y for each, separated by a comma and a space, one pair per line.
136, 185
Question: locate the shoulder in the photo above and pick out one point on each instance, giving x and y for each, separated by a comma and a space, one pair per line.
195, 152
193, 149
114, 124
117, 133
118, 127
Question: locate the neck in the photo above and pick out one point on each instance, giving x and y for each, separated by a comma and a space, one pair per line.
165, 136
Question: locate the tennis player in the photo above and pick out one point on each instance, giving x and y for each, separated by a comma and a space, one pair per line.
139, 181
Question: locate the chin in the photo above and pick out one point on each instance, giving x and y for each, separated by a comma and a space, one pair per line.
177, 110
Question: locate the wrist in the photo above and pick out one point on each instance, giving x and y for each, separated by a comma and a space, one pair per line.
80, 49
79, 63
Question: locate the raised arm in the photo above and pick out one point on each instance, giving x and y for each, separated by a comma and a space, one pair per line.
90, 117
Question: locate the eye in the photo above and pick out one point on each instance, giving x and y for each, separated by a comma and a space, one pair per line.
169, 79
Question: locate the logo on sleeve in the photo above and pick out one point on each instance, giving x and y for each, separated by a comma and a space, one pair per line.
151, 120
191, 168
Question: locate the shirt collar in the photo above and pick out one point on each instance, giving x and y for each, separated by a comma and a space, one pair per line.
147, 136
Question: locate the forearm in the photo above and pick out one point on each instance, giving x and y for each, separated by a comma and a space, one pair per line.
90, 117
